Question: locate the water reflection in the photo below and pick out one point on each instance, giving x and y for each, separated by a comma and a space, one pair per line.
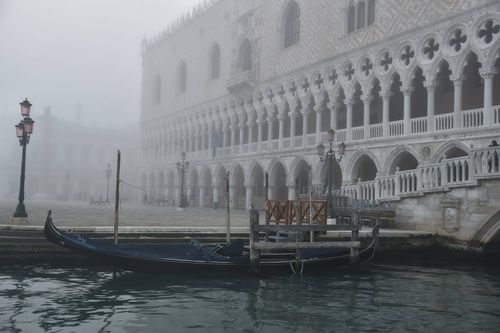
385, 298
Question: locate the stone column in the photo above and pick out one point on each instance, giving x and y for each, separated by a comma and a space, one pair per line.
270, 121
203, 138
385, 113
318, 123
260, 125
431, 106
457, 103
348, 103
233, 136
333, 114
488, 97
305, 121
216, 196
249, 196
210, 137
232, 202
202, 196
281, 118
250, 125
291, 192
366, 116
242, 135
407, 110
293, 121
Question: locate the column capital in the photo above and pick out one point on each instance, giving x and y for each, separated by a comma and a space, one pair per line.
487, 74
367, 99
407, 90
430, 85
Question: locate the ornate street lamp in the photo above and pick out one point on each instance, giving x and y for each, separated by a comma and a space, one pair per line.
23, 132
329, 156
107, 173
182, 167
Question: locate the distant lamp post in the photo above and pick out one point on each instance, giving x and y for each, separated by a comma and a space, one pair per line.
107, 173
23, 131
329, 156
182, 167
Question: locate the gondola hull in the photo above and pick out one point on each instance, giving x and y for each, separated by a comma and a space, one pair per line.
194, 258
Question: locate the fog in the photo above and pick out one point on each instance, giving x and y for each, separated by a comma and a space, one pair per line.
75, 54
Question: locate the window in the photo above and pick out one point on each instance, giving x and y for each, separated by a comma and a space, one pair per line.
292, 24
157, 90
360, 13
215, 62
245, 56
351, 17
371, 12
181, 78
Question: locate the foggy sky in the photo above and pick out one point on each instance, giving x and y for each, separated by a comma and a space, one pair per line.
64, 52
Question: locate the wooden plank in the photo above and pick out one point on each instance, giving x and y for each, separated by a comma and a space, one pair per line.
260, 246
304, 227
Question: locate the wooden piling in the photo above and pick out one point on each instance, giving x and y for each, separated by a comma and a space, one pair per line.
254, 238
354, 254
117, 196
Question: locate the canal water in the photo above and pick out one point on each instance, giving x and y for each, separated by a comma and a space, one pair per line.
424, 295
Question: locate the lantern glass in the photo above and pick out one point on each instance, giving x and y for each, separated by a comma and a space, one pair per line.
25, 108
342, 147
19, 130
321, 149
331, 135
28, 125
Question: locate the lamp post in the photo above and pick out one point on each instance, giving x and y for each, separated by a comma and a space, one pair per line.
182, 167
329, 156
108, 172
23, 131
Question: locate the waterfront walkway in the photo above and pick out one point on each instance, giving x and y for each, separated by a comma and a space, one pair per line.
81, 214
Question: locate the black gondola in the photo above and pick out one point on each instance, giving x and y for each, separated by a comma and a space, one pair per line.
194, 257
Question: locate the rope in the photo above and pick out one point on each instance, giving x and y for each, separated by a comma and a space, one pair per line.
301, 267
137, 188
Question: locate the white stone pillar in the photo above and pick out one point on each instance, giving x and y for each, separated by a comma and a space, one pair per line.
291, 192
305, 121
348, 104
407, 109
232, 198
210, 138
318, 124
431, 106
281, 118
270, 192
201, 202
333, 114
270, 121
250, 125
249, 196
488, 98
242, 136
233, 137
216, 196
366, 116
260, 125
385, 113
203, 139
457, 103
293, 121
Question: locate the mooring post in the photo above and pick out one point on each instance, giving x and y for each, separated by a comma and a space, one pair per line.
117, 196
354, 255
254, 237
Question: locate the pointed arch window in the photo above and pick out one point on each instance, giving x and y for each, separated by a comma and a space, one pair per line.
292, 24
245, 56
351, 18
181, 78
371, 12
360, 14
215, 62
157, 90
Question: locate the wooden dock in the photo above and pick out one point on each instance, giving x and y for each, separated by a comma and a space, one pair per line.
257, 245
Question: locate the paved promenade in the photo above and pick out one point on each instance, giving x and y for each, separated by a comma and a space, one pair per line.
80, 214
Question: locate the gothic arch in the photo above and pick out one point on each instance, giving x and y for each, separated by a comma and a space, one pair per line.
295, 168
395, 154
354, 160
447, 146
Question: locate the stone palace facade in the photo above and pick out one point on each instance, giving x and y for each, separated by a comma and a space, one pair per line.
251, 87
